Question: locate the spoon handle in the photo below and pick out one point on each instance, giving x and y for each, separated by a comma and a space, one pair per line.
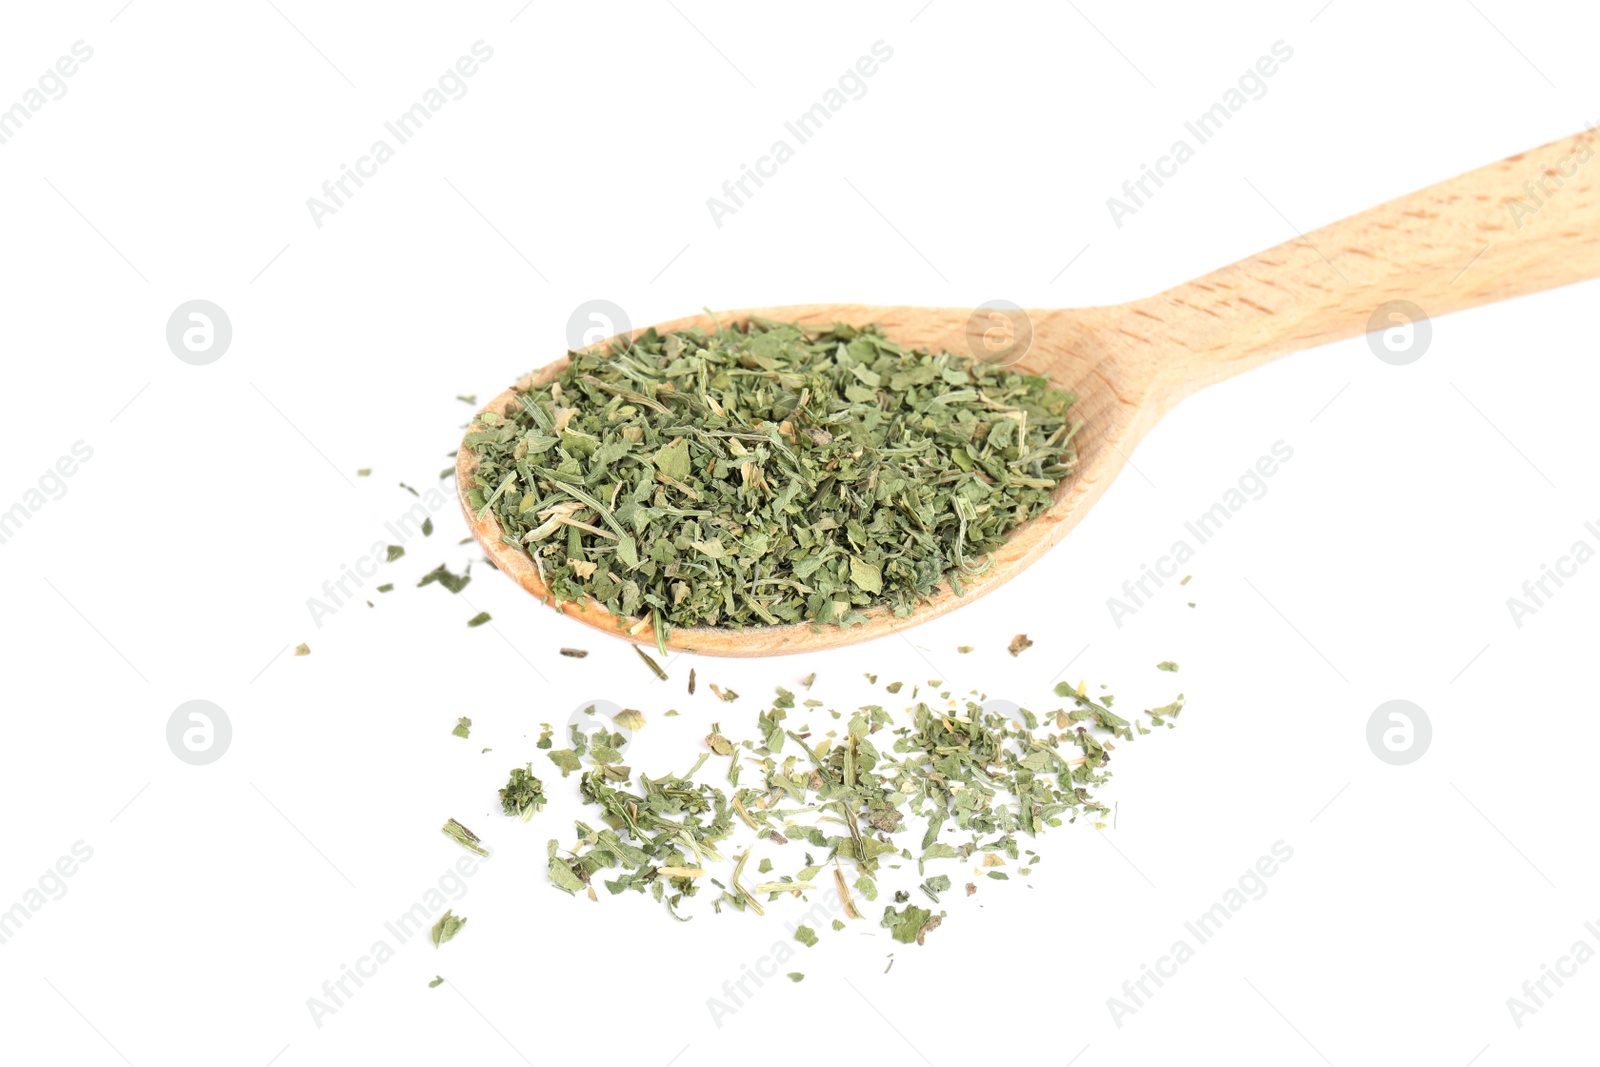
1528, 223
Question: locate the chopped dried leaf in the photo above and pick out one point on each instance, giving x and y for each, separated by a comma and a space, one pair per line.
655, 667
441, 574
447, 927
463, 837
523, 794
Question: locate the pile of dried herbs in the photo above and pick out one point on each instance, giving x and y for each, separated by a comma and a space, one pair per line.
980, 782
768, 474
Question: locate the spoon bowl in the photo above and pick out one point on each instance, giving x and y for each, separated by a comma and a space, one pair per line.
1456, 245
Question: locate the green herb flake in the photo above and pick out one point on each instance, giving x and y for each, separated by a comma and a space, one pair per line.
479, 619
655, 668
301, 649
463, 837
806, 936
448, 926
463, 727
441, 574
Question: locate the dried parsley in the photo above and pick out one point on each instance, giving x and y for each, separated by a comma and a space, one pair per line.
301, 649
523, 795
463, 837
448, 926
463, 727
479, 619
453, 582
768, 474
1019, 644
655, 667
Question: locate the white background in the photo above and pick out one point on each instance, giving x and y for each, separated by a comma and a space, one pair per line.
179, 562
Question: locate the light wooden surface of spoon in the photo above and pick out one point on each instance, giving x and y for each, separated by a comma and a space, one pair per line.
1525, 224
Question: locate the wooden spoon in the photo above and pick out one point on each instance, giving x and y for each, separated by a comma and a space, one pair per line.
1529, 223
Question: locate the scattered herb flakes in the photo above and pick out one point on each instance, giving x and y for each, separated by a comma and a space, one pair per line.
727, 696
301, 649
767, 474
1186, 578
894, 687
1019, 644
691, 681
655, 667
364, 472
980, 786
807, 936
463, 727
809, 679
386, 587
463, 837
427, 527
470, 400
479, 619
1167, 665
410, 490
448, 926
395, 552
629, 719
438, 980
575, 653
796, 976
523, 794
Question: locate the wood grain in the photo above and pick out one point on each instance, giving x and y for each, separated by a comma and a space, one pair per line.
1525, 224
